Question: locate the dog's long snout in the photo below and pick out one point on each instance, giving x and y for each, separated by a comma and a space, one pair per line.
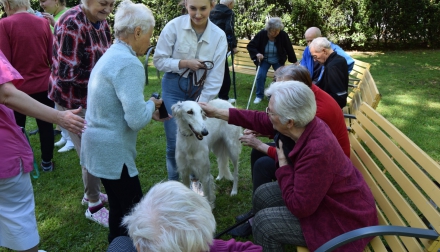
205, 132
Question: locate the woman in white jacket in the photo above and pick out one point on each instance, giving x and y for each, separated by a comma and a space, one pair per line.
189, 47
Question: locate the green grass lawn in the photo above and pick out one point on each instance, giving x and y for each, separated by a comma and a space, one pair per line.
408, 81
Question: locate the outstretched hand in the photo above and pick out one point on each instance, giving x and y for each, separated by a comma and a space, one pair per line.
71, 121
210, 111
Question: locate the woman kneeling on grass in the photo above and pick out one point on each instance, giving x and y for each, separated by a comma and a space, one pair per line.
319, 194
117, 111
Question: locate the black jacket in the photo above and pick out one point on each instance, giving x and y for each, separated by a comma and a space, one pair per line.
282, 43
334, 80
224, 18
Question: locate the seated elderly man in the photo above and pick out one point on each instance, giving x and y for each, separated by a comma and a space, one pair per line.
334, 79
315, 68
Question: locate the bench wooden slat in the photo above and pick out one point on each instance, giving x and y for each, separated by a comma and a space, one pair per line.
392, 150
399, 155
381, 187
392, 241
370, 93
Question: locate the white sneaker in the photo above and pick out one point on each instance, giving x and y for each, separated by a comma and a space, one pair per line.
100, 217
231, 100
60, 143
257, 100
68, 147
196, 187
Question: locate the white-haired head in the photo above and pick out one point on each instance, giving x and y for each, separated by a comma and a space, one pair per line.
129, 15
14, 5
226, 2
171, 217
292, 100
320, 43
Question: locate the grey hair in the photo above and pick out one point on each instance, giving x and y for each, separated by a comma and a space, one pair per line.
293, 72
292, 100
16, 4
129, 15
274, 23
320, 43
226, 2
171, 217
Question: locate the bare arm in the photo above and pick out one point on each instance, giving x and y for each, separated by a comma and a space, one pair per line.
22, 103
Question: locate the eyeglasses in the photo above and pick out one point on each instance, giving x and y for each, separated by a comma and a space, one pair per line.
270, 113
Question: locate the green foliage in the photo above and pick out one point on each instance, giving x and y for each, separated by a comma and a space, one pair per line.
358, 24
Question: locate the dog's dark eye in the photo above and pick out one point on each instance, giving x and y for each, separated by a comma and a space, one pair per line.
190, 112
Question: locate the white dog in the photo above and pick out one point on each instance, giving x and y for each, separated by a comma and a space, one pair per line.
196, 136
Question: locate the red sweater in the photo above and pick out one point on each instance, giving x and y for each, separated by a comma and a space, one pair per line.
26, 41
322, 188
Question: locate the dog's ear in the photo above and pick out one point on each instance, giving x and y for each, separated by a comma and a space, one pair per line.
176, 108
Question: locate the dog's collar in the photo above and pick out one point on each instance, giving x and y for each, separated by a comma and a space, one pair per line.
186, 135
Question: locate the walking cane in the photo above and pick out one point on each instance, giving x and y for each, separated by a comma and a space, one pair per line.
233, 73
253, 85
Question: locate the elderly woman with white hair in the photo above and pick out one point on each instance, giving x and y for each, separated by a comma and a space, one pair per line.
171, 217
270, 47
319, 194
82, 35
117, 110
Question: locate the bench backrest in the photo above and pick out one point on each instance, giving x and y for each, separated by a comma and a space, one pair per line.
401, 176
365, 91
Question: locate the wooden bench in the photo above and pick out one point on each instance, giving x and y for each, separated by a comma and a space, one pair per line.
365, 91
405, 184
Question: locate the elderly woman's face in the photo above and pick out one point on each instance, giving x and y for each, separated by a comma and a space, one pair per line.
98, 10
144, 42
49, 6
274, 118
272, 33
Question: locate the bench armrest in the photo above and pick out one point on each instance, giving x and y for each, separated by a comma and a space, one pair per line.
376, 231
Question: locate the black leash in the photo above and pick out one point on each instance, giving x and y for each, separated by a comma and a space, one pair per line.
218, 235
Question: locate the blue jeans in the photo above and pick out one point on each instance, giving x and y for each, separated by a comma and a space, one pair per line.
261, 77
171, 94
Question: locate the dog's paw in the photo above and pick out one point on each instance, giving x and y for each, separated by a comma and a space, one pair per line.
233, 192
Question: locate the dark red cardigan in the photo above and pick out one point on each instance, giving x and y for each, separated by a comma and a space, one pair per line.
322, 188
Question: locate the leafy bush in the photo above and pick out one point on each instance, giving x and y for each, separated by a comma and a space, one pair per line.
353, 24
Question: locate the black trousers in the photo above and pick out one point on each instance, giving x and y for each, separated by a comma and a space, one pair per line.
45, 129
263, 168
226, 86
123, 194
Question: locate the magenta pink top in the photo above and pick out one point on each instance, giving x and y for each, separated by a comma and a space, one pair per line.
13, 143
234, 246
